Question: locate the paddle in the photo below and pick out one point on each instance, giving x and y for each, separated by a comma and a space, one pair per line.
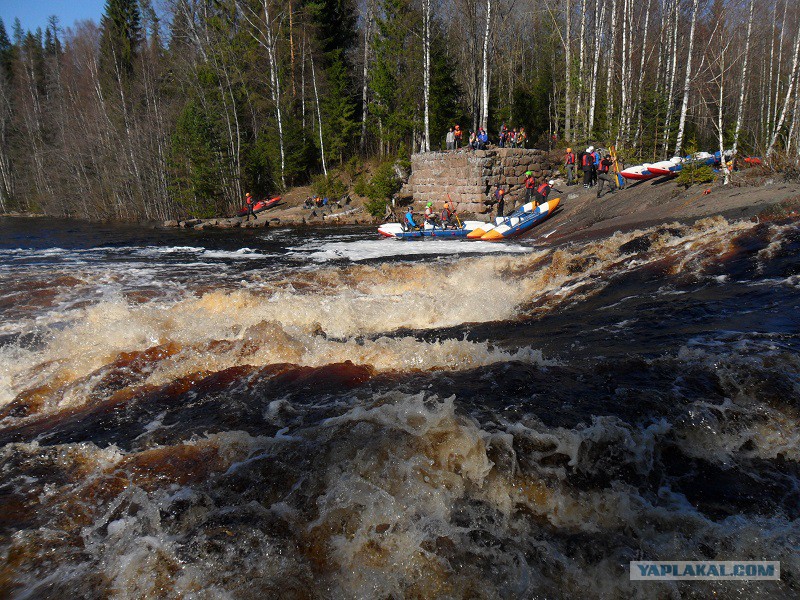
455, 214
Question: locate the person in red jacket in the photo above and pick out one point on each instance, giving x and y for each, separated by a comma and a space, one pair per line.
530, 186
587, 164
569, 162
540, 197
249, 202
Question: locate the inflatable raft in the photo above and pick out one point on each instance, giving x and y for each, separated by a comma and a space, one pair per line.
259, 206
397, 230
479, 232
516, 225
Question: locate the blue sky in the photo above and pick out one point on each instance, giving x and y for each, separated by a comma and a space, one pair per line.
34, 13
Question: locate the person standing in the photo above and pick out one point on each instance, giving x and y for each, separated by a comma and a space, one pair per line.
604, 175
500, 199
530, 186
521, 137
249, 202
587, 162
458, 136
569, 162
451, 140
595, 165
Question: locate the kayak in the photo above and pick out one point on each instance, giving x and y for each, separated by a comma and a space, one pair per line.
259, 206
517, 225
666, 168
639, 173
479, 232
399, 231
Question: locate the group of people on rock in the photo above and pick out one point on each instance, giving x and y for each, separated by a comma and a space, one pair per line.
478, 140
443, 220
512, 138
595, 166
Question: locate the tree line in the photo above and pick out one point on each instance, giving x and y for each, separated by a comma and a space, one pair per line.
155, 114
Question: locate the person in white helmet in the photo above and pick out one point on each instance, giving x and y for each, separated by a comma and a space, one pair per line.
540, 197
587, 162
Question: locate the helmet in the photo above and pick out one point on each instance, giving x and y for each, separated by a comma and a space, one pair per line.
247, 193
528, 173
447, 205
551, 182
590, 148
429, 204
569, 149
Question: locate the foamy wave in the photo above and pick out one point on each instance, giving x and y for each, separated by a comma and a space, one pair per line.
375, 249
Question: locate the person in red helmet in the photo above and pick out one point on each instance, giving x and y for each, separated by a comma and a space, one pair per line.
249, 202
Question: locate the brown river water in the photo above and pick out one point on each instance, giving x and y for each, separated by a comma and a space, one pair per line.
325, 414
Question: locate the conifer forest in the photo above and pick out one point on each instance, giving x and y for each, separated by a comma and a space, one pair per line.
178, 107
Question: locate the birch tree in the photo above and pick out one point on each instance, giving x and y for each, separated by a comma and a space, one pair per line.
687, 81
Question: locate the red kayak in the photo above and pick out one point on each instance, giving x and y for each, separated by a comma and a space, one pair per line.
259, 206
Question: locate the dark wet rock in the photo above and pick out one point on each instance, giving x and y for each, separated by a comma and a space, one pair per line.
636, 245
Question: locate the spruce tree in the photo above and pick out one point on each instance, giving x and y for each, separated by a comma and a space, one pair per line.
120, 37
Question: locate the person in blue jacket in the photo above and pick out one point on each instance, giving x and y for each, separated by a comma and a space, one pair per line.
410, 223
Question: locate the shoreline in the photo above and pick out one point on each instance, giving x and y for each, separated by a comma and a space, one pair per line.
580, 216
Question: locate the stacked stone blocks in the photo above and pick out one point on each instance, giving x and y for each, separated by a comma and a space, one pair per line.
469, 178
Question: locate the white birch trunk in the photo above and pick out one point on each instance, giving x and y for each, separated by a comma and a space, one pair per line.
275, 85
640, 83
581, 68
687, 82
568, 83
621, 133
365, 80
485, 76
426, 74
598, 34
611, 46
720, 131
319, 115
774, 115
740, 111
788, 98
672, 77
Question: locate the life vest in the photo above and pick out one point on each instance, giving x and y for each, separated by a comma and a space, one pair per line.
543, 190
249, 200
530, 183
586, 160
603, 167
570, 158
445, 215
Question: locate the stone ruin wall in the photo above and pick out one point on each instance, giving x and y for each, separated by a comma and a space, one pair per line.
470, 177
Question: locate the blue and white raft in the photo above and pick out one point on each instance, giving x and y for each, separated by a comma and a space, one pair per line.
398, 230
515, 225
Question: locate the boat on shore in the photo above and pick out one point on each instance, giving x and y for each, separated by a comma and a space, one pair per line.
638, 173
259, 206
667, 168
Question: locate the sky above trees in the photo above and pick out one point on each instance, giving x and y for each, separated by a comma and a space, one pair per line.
33, 14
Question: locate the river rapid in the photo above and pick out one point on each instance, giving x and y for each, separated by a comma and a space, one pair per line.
324, 414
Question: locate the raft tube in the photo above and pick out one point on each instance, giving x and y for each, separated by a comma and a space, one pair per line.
479, 232
396, 230
259, 206
514, 226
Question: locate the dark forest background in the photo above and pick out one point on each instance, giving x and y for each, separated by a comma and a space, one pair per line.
177, 108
